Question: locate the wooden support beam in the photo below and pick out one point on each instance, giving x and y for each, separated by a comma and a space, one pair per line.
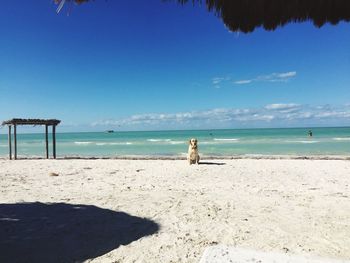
15, 140
10, 143
47, 141
54, 141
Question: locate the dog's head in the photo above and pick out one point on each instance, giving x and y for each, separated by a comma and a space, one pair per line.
193, 143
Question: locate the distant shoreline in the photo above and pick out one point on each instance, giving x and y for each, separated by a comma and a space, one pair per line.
40, 131
204, 158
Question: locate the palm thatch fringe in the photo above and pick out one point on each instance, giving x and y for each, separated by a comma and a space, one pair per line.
246, 15
50, 122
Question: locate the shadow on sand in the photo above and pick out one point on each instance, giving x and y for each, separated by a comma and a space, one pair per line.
59, 232
211, 163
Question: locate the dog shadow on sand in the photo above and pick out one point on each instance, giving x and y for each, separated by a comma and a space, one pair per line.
211, 163
60, 232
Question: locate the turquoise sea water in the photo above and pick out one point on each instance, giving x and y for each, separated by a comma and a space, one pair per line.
325, 141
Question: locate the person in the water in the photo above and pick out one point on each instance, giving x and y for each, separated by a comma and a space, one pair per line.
310, 133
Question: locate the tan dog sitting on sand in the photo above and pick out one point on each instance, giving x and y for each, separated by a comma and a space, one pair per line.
193, 156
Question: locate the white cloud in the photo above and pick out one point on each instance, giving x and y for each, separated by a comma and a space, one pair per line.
333, 114
273, 77
282, 106
287, 74
217, 80
240, 82
255, 117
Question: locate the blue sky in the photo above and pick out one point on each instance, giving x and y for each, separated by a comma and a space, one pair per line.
148, 65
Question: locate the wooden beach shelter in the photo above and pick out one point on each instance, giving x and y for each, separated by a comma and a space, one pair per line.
33, 122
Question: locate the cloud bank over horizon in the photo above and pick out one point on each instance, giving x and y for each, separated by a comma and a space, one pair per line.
274, 115
271, 115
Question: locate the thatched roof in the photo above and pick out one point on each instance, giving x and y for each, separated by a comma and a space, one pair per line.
246, 15
31, 122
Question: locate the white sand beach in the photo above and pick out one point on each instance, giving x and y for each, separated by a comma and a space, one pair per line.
299, 207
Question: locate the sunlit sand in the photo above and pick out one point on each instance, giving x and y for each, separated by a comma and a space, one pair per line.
296, 207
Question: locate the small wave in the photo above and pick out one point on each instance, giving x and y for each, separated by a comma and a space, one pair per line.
83, 143
342, 139
206, 142
113, 143
306, 142
177, 142
158, 140
226, 140
30, 143
120, 143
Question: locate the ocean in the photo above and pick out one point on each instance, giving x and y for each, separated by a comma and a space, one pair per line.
289, 141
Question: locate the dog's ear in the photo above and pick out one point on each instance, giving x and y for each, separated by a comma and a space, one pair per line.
189, 142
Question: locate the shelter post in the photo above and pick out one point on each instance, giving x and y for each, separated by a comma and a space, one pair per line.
54, 141
10, 143
15, 140
47, 141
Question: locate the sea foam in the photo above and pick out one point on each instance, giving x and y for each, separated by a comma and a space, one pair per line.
83, 143
177, 142
226, 139
158, 140
113, 143
305, 142
342, 139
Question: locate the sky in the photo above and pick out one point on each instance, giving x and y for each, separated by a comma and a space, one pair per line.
157, 65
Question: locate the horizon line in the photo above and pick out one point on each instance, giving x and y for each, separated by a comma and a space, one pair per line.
179, 130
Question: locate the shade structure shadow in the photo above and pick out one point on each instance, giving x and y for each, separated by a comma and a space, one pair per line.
60, 232
211, 163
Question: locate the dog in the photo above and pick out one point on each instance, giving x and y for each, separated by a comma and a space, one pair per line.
193, 156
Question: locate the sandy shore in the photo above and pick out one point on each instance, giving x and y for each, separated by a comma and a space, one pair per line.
168, 211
